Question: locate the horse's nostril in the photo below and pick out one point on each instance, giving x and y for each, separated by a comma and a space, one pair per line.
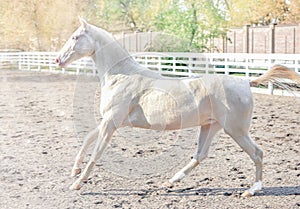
57, 60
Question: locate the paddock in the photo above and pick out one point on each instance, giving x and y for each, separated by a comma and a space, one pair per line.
44, 116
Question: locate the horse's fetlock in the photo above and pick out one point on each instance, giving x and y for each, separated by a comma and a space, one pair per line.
200, 157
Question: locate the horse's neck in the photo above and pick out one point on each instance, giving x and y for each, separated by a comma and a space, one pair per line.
111, 59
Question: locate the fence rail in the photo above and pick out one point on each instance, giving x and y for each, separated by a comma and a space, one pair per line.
247, 66
191, 64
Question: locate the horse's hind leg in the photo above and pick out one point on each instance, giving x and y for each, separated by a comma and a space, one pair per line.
90, 137
256, 154
181, 174
205, 138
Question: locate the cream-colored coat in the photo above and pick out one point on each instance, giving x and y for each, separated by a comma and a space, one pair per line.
132, 95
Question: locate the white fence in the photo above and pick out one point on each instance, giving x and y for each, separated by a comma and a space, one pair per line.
191, 64
170, 64
43, 61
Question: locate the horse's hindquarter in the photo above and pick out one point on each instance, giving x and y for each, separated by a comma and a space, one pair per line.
231, 100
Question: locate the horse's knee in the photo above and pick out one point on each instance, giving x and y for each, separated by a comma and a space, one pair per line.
259, 152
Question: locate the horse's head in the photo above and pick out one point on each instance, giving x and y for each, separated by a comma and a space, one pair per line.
79, 45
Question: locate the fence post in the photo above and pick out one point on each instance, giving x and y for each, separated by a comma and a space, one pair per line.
270, 88
146, 61
234, 41
272, 38
270, 84
246, 39
123, 39
297, 39
20, 60
149, 40
190, 66
28, 62
49, 61
247, 68
294, 40
159, 65
252, 40
224, 44
207, 61
226, 66
174, 64
136, 40
39, 58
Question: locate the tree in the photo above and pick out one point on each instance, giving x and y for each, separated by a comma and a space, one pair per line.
196, 21
44, 25
294, 12
262, 12
38, 25
132, 15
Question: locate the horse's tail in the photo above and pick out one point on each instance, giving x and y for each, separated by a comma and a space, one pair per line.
277, 72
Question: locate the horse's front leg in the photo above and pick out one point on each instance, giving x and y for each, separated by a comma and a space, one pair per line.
90, 138
106, 130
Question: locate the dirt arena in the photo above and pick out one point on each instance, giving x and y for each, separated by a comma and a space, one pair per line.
44, 116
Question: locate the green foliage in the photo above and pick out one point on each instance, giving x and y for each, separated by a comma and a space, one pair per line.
44, 25
195, 22
177, 20
134, 15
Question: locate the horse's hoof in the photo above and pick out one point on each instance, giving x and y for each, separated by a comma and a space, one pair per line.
75, 186
247, 194
167, 185
75, 172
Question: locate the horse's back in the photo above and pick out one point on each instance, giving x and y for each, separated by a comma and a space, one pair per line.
182, 103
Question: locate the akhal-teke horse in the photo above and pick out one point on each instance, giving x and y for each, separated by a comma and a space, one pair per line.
132, 95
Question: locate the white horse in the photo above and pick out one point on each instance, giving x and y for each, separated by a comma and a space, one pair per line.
134, 96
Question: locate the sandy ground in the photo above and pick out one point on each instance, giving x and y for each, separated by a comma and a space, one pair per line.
43, 118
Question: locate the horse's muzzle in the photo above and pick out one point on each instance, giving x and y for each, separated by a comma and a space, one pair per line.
57, 60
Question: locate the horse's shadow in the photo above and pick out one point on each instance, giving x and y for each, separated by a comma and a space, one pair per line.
190, 191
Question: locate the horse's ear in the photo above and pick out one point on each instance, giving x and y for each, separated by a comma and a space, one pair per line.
83, 22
